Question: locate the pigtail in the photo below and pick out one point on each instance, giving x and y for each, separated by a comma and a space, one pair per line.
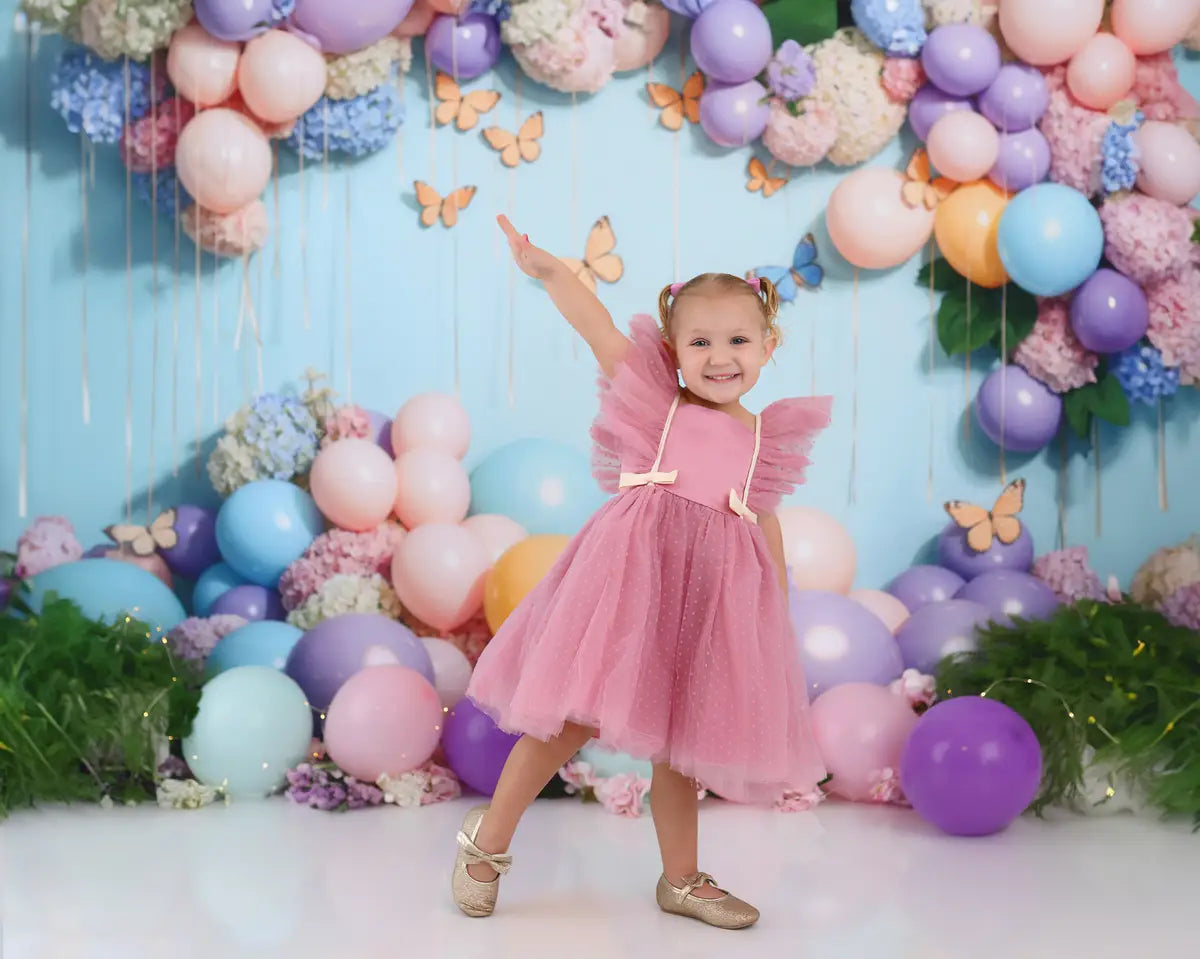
664, 308
770, 298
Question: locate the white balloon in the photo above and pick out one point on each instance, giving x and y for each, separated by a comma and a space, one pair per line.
451, 670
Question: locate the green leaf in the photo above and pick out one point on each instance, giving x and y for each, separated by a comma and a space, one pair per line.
805, 21
1021, 310
945, 278
961, 330
1196, 232
1112, 405
1077, 406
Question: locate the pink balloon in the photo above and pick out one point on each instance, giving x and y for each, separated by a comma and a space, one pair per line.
451, 670
431, 487
963, 145
869, 222
438, 572
884, 605
636, 46
354, 484
1101, 72
223, 160
384, 720
1046, 32
416, 22
1152, 26
498, 534
280, 76
817, 549
434, 421
202, 68
1170, 162
860, 729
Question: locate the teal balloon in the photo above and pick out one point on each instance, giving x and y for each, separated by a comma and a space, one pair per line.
606, 763
545, 486
1050, 239
263, 643
253, 724
212, 584
264, 527
108, 589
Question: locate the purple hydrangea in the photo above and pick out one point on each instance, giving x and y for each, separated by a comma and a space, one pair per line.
283, 431
322, 786
687, 8
1143, 376
89, 93
499, 10
791, 74
1182, 607
895, 26
1120, 168
356, 127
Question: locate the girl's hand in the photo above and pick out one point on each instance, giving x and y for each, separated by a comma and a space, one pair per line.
531, 260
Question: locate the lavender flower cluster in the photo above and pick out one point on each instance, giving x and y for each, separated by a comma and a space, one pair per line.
324, 786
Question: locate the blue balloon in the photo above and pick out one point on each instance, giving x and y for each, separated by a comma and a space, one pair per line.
264, 527
262, 643
214, 583
1050, 239
107, 589
545, 486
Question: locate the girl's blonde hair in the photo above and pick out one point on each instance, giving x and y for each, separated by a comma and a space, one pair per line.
762, 289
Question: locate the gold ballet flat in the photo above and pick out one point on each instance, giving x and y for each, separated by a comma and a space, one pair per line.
727, 912
473, 897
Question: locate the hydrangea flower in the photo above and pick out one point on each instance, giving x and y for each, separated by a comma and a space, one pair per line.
533, 21
980, 13
131, 28
339, 552
1069, 573
89, 93
272, 437
420, 787
792, 801
499, 10
1143, 376
355, 127
687, 8
1158, 91
1175, 318
324, 786
357, 74
1182, 607
801, 140
1075, 135
49, 541
623, 795
895, 26
886, 788
917, 688
902, 78
1165, 571
347, 422
579, 56
149, 142
1147, 239
790, 73
52, 16
1052, 354
195, 637
345, 593
1119, 169
164, 193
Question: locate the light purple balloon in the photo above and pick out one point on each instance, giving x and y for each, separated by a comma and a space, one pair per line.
465, 47
99, 551
734, 114
1016, 411
381, 432
931, 104
197, 549
954, 553
1016, 99
252, 602
841, 641
937, 630
234, 19
918, 586
731, 41
1010, 595
961, 59
344, 26
475, 747
1023, 160
1109, 312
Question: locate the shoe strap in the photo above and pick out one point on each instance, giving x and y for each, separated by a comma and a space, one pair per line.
692, 883
500, 861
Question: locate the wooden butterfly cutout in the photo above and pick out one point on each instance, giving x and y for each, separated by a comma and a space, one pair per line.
678, 105
759, 178
433, 204
145, 540
461, 108
919, 190
522, 145
984, 526
599, 261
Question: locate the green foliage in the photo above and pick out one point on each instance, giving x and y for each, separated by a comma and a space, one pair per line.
971, 317
84, 706
1104, 399
1117, 678
805, 21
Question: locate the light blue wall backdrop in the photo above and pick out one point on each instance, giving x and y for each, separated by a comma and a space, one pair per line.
403, 291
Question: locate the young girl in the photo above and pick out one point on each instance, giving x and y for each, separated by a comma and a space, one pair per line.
663, 629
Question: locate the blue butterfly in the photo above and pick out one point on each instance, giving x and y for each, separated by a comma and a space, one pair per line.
805, 271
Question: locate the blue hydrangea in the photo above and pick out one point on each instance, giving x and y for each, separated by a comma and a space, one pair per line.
357, 127
1120, 169
281, 10
1142, 375
89, 93
895, 26
165, 196
283, 433
501, 10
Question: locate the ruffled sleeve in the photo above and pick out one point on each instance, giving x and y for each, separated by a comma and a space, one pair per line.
789, 428
633, 406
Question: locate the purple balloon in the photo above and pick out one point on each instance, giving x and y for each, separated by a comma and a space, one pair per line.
381, 432
344, 26
961, 59
841, 641
955, 553
197, 549
931, 104
734, 115
1010, 595
465, 47
937, 630
971, 766
5, 592
1023, 160
688, 8
1016, 99
920, 585
1109, 312
476, 748
251, 602
234, 19
1016, 411
99, 551
731, 41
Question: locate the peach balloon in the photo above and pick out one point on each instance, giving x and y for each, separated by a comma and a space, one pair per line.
636, 46
1046, 32
452, 7
438, 573
416, 22
516, 574
884, 605
498, 534
963, 145
1102, 72
1153, 26
860, 729
280, 76
869, 222
202, 68
966, 226
432, 421
431, 487
353, 482
818, 551
153, 564
1170, 162
223, 160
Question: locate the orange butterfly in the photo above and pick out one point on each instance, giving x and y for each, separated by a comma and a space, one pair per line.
599, 261
434, 204
677, 105
464, 108
918, 190
522, 145
760, 178
144, 540
1000, 523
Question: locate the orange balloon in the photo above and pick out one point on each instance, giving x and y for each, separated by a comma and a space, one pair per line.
965, 226
516, 573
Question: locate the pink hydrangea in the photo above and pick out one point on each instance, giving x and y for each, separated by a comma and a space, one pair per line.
886, 788
623, 794
1075, 135
917, 688
1159, 93
581, 55
1052, 354
346, 422
442, 784
803, 140
1146, 239
470, 639
228, 234
799, 801
196, 636
577, 775
337, 552
1175, 317
149, 143
48, 542
1182, 607
1069, 573
902, 78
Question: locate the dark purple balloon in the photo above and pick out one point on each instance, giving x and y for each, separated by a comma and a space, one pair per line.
930, 105
961, 59
197, 549
920, 585
1016, 411
1023, 160
841, 641
1109, 312
234, 19
381, 432
465, 47
937, 630
1010, 595
251, 602
954, 553
1016, 99
475, 747
971, 766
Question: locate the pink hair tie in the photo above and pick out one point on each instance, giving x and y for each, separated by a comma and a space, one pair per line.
675, 288
756, 283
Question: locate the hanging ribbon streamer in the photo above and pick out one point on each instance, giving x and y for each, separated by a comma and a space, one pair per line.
325, 154
574, 197
932, 357
346, 316
512, 270
675, 171
277, 266
175, 276
454, 323
85, 389
198, 349
246, 308
1003, 378
1096, 456
26, 224
1063, 480
303, 231
216, 340
400, 137
1163, 504
129, 378
967, 370
153, 307
854, 395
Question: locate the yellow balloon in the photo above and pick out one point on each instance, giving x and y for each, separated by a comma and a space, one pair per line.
966, 225
516, 573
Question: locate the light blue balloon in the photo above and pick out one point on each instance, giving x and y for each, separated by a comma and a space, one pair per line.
212, 584
108, 589
253, 725
545, 486
264, 527
1050, 239
606, 763
263, 643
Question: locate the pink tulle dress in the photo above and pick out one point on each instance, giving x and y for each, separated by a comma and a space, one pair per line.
663, 624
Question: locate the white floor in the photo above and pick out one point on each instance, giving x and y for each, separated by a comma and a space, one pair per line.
274, 880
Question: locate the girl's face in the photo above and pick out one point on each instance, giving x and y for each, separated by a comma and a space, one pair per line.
721, 345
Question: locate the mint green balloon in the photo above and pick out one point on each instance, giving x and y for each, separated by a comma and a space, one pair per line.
606, 763
254, 723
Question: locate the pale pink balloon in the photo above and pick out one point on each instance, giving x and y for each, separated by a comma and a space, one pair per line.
1102, 72
963, 146
637, 45
860, 730
223, 160
431, 487
153, 564
451, 670
452, 7
280, 76
1170, 162
416, 22
884, 605
1046, 32
354, 484
498, 533
438, 572
383, 720
202, 68
1152, 26
869, 222
818, 551
432, 421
